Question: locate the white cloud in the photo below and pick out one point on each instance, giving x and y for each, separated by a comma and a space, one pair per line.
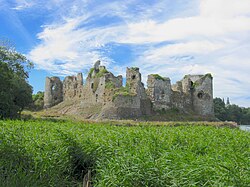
214, 39
185, 28
23, 4
224, 8
67, 49
188, 48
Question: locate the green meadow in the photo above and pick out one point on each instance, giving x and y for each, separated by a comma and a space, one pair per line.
60, 153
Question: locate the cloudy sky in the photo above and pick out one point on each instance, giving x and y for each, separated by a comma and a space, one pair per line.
168, 37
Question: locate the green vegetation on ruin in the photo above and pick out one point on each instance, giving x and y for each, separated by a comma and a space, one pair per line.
158, 77
91, 71
101, 73
123, 91
134, 68
98, 74
95, 84
195, 84
109, 85
59, 153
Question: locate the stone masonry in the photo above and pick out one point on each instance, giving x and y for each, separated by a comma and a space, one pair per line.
103, 90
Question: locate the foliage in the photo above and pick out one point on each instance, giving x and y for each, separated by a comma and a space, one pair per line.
15, 92
37, 101
95, 84
134, 68
109, 85
47, 153
231, 112
98, 74
220, 109
195, 84
123, 91
91, 71
16, 62
158, 77
101, 73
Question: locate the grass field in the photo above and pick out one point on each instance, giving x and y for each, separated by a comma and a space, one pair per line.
47, 153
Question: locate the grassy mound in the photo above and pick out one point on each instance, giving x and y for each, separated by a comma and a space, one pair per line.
47, 153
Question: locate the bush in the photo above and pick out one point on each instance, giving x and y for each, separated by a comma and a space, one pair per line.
158, 77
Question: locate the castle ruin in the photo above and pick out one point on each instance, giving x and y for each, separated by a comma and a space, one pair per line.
104, 96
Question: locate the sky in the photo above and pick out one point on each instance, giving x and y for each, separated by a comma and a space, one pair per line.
168, 37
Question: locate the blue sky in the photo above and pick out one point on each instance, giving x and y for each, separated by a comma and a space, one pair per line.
172, 38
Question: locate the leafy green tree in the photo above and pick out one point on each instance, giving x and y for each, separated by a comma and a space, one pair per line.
231, 112
220, 109
234, 113
15, 92
246, 116
38, 101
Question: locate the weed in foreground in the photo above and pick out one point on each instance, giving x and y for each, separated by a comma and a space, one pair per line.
46, 153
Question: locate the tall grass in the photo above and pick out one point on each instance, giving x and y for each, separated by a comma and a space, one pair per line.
45, 153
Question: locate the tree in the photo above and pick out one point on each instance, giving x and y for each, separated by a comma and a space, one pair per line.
231, 112
228, 102
246, 116
15, 92
234, 113
220, 109
38, 101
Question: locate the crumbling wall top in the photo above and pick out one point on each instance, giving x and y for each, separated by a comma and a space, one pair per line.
104, 89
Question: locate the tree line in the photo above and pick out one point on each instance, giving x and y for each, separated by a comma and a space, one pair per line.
231, 112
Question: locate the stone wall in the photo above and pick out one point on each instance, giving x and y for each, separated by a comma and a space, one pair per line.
159, 91
194, 93
203, 96
133, 81
73, 87
103, 90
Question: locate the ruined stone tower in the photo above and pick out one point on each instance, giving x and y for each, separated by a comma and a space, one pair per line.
103, 95
133, 82
53, 92
159, 91
72, 86
194, 93
202, 93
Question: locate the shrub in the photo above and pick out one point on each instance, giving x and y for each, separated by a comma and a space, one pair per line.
109, 85
91, 71
101, 73
158, 77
